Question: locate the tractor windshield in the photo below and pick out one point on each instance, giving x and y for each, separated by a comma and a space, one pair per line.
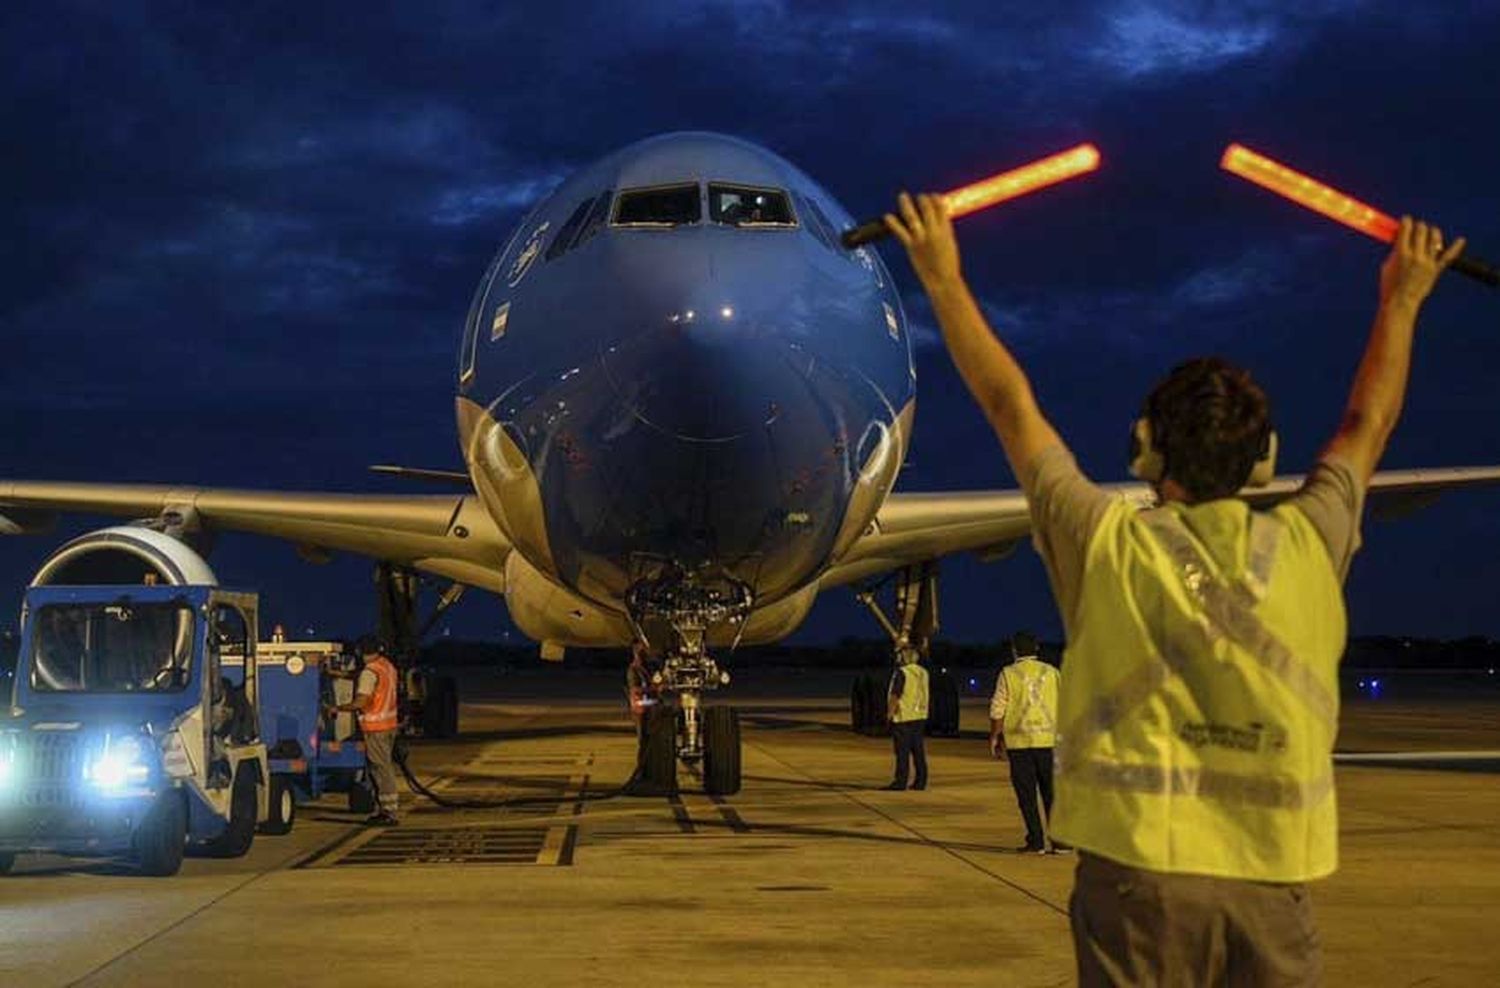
124, 647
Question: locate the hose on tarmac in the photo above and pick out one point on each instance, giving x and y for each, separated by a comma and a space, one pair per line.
398, 755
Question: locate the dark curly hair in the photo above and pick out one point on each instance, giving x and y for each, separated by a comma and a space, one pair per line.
1211, 422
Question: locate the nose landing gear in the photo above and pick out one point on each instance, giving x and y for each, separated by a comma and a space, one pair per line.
686, 609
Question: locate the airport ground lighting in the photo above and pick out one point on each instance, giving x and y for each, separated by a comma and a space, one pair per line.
1312, 194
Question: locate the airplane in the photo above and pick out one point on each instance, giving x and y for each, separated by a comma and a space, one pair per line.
682, 405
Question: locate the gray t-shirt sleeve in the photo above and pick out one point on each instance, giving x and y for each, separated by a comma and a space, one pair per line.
1066, 508
1333, 500
365, 684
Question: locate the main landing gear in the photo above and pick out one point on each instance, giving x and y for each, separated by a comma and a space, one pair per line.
429, 702
679, 611
916, 621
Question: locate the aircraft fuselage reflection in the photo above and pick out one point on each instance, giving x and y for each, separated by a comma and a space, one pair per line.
637, 390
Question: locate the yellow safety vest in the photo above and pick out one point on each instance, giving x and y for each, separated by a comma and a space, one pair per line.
912, 703
1198, 714
1031, 712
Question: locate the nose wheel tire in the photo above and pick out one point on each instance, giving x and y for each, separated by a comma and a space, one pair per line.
656, 754
721, 751
283, 808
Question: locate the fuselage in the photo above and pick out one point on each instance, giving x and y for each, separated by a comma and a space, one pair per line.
673, 363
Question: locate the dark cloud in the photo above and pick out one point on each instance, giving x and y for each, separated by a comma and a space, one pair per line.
239, 242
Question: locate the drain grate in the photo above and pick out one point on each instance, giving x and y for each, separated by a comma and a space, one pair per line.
449, 845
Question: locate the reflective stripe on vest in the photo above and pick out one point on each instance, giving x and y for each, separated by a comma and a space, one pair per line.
381, 713
912, 703
1201, 701
1031, 710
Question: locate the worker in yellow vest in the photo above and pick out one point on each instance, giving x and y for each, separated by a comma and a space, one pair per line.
906, 702
1023, 727
1197, 718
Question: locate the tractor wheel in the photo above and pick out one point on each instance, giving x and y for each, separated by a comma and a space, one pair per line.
283, 807
239, 832
159, 841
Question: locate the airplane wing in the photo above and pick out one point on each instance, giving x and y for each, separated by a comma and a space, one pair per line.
447, 535
914, 528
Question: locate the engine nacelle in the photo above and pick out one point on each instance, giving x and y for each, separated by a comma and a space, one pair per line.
125, 554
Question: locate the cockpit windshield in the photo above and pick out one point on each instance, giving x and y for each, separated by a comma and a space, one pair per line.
667, 205
123, 647
740, 205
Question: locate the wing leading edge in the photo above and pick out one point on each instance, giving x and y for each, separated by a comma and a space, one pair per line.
914, 528
447, 535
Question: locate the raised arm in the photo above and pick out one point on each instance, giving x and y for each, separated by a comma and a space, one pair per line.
1406, 278
989, 371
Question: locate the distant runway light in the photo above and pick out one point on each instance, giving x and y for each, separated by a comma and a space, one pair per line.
727, 312
1337, 206
996, 189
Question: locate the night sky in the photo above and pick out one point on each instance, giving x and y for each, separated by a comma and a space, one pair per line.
238, 247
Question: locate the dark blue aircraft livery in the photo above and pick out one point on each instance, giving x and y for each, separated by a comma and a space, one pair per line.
682, 405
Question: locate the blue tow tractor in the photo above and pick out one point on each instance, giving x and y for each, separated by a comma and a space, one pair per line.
135, 726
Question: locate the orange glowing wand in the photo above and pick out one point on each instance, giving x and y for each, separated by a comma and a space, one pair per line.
995, 189
1332, 203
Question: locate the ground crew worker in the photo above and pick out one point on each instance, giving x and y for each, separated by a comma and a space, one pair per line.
1023, 724
639, 687
1197, 719
375, 703
906, 703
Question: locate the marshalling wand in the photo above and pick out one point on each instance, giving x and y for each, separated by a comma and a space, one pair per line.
1335, 205
995, 189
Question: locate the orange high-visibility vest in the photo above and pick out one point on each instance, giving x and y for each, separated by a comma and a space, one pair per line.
381, 714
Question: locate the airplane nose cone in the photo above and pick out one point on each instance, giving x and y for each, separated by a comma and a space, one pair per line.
708, 373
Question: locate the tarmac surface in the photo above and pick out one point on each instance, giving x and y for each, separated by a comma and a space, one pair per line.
810, 876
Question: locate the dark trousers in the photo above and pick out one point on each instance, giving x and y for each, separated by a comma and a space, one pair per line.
1137, 927
1030, 773
906, 736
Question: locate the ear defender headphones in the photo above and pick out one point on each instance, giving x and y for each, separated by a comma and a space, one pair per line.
1147, 462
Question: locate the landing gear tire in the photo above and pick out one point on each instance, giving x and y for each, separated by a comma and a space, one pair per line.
440, 708
868, 707
283, 808
239, 833
858, 713
159, 842
942, 709
656, 756
450, 707
721, 751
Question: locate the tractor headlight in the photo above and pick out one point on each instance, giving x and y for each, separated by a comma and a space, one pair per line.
124, 761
